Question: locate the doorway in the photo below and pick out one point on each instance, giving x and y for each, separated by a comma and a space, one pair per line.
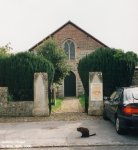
70, 85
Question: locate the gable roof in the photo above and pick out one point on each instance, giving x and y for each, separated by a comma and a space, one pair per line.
69, 22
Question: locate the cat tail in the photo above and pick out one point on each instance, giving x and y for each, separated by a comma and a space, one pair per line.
92, 134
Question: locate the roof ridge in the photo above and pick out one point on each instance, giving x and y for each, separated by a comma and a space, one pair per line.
68, 22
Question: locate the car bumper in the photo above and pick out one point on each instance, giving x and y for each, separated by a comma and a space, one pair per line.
127, 122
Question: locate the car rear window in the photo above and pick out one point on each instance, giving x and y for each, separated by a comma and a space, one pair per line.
130, 94
135, 93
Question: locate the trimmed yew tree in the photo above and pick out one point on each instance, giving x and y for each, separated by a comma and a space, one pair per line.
18, 73
4, 54
116, 66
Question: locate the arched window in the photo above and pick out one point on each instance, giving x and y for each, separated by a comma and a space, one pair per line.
69, 49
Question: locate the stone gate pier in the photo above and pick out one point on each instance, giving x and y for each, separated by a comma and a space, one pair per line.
41, 103
95, 93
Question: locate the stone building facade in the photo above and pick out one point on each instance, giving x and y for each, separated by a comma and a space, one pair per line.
77, 43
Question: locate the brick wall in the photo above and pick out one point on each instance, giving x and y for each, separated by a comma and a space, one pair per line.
84, 45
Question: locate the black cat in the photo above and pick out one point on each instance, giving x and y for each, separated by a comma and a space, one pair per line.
85, 132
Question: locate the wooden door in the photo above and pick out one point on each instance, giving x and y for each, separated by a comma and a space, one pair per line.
70, 85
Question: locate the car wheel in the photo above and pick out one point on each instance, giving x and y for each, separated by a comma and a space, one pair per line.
119, 130
105, 115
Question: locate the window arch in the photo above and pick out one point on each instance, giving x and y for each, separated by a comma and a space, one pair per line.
69, 48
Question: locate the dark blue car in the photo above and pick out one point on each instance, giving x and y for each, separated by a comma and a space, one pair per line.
122, 109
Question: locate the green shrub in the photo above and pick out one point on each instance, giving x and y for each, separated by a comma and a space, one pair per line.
82, 100
52, 52
117, 68
19, 72
2, 70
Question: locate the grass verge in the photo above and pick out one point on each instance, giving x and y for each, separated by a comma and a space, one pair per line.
82, 101
57, 105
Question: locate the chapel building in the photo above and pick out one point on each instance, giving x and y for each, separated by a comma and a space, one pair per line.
76, 43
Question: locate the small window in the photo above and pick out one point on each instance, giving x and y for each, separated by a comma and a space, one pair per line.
131, 94
69, 49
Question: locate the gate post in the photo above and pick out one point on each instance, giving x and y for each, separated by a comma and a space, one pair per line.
41, 103
95, 93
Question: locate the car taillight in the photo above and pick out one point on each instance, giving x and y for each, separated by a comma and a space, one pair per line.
130, 110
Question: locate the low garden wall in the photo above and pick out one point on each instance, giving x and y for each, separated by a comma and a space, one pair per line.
9, 108
38, 107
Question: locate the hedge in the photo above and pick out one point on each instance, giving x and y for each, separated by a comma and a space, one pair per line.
117, 69
18, 73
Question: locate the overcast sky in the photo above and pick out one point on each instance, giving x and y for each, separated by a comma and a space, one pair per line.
24, 23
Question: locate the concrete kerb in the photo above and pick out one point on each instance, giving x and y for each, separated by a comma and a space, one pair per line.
62, 146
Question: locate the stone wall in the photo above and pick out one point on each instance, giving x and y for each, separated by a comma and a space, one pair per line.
8, 108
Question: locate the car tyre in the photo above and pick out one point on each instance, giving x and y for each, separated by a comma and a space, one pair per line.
119, 130
105, 115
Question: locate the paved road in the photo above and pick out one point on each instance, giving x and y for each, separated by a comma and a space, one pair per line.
84, 148
63, 134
